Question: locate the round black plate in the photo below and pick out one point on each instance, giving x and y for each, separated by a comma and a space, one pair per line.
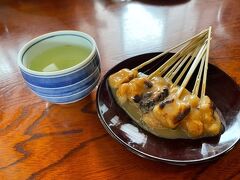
224, 92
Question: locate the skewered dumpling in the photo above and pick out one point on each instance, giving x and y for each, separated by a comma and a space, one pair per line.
122, 76
162, 107
153, 104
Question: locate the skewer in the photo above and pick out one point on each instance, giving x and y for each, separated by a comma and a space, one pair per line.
177, 67
160, 71
199, 76
187, 65
167, 76
185, 50
170, 75
192, 69
167, 51
166, 65
206, 64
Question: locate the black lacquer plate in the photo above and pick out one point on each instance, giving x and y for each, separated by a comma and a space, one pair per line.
224, 92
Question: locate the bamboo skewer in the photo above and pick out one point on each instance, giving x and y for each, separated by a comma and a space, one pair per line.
185, 50
186, 67
199, 76
194, 43
184, 59
167, 76
178, 67
165, 66
192, 69
206, 64
167, 51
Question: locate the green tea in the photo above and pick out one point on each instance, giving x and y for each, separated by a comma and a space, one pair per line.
59, 58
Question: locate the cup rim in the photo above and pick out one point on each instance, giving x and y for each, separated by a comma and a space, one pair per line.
37, 39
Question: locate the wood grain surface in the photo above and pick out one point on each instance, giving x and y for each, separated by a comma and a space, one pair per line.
39, 140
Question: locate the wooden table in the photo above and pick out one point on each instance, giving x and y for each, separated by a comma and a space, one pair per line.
39, 140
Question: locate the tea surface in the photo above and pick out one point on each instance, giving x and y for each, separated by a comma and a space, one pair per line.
59, 58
